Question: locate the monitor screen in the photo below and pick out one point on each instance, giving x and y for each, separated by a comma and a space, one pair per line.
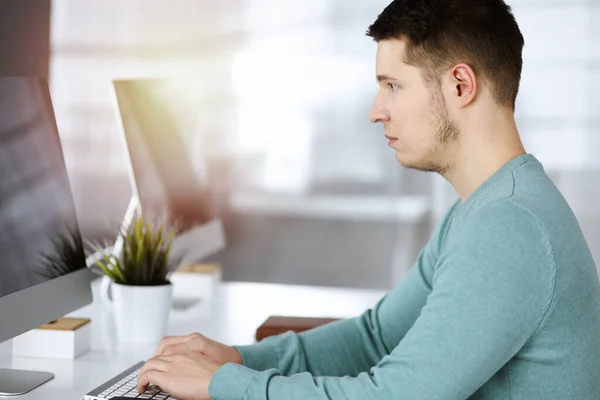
164, 177
39, 234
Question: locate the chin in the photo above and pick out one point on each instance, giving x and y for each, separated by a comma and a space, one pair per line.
423, 164
405, 161
400, 158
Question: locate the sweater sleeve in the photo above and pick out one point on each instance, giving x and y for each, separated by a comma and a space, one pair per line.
354, 345
491, 291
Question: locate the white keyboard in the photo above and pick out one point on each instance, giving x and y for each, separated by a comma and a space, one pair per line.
125, 385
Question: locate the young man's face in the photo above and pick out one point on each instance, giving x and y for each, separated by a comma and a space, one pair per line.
414, 115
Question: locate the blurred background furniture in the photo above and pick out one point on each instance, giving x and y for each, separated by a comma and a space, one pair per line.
278, 324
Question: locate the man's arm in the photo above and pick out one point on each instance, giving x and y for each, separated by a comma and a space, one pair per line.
491, 292
354, 345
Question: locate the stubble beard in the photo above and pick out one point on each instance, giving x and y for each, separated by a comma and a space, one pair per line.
446, 133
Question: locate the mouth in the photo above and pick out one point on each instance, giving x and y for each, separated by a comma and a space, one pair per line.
391, 140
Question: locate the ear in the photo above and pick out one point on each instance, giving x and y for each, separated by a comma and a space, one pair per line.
462, 85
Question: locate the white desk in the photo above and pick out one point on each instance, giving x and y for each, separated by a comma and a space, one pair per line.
231, 317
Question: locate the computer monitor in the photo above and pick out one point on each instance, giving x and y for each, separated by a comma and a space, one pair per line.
164, 181
43, 273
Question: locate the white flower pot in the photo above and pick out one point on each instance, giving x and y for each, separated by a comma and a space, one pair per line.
141, 312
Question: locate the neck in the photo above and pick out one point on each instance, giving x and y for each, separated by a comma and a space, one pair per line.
483, 152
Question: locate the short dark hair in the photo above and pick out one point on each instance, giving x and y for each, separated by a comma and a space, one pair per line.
441, 33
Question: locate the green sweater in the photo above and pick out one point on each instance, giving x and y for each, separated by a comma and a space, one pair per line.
502, 303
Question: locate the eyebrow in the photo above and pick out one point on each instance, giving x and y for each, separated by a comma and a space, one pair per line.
384, 78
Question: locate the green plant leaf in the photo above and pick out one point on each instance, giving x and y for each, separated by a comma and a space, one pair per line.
145, 255
155, 252
108, 271
168, 247
116, 268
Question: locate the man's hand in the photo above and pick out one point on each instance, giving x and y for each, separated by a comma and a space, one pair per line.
199, 344
185, 377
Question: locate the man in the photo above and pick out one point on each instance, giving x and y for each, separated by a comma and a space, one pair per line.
502, 303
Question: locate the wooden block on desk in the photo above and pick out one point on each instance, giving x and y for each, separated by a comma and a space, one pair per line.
200, 268
276, 325
65, 324
64, 338
198, 280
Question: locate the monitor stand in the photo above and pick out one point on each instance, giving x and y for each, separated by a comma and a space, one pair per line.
14, 382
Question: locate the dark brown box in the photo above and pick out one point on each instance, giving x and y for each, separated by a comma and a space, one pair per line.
276, 325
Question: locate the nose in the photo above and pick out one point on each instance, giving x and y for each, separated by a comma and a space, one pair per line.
378, 112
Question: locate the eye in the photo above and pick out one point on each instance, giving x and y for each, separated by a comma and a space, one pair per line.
392, 86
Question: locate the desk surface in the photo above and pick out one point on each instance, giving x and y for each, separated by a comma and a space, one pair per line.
231, 316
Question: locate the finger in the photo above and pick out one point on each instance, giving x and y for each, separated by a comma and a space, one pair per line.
168, 341
163, 358
161, 363
173, 340
195, 345
175, 349
152, 376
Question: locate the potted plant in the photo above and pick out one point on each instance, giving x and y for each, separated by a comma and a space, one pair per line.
139, 278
